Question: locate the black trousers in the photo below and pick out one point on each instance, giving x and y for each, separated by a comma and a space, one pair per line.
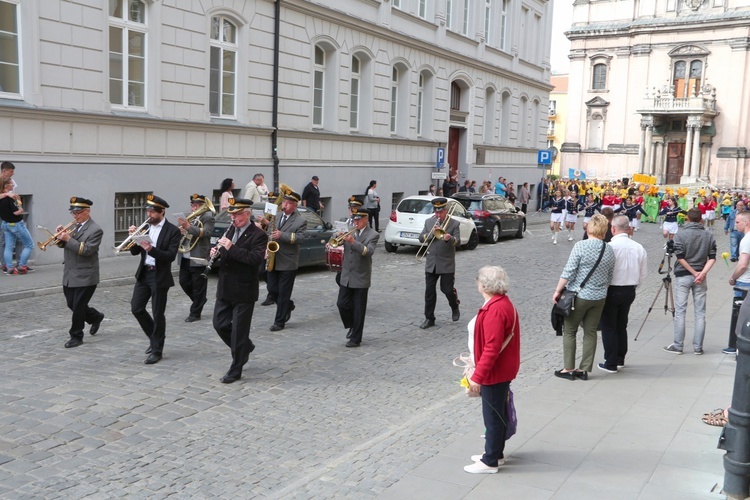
280, 285
614, 323
430, 294
195, 285
154, 327
78, 298
232, 321
374, 218
352, 304
494, 400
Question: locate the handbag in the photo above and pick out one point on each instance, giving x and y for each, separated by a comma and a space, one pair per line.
511, 419
566, 302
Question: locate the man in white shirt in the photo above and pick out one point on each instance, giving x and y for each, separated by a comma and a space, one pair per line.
740, 277
256, 190
630, 270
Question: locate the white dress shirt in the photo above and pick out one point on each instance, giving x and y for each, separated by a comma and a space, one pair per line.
153, 233
630, 261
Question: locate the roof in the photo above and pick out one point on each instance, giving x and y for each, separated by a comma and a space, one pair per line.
560, 82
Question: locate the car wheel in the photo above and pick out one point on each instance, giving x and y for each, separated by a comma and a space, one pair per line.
473, 241
495, 236
390, 247
521, 229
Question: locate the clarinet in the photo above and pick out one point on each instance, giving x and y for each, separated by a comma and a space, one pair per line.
216, 255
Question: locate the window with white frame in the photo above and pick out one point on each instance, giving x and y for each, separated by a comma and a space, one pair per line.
354, 94
319, 77
505, 112
10, 62
420, 104
503, 27
127, 53
465, 19
425, 102
223, 79
449, 14
488, 22
489, 116
599, 77
422, 9
394, 99
523, 122
396, 4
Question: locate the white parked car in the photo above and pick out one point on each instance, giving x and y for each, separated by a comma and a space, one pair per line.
407, 221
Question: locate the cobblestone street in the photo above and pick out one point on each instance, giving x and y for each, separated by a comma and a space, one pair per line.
309, 418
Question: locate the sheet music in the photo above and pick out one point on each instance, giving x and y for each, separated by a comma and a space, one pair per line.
271, 208
138, 239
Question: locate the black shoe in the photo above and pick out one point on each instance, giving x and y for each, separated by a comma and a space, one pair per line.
268, 302
427, 323
191, 319
351, 343
228, 379
148, 351
733, 260
567, 375
276, 328
152, 359
456, 314
289, 312
73, 343
349, 333
581, 374
95, 325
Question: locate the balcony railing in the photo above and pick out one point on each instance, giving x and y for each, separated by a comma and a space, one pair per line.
663, 101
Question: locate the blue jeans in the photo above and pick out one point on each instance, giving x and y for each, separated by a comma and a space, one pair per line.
683, 285
734, 243
17, 231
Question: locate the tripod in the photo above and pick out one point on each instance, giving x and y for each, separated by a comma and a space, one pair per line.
666, 286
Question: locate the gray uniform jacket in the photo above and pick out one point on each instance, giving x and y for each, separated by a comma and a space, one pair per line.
81, 257
292, 235
356, 267
441, 258
203, 234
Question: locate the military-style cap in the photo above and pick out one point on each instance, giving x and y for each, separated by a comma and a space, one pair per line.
359, 214
153, 201
77, 203
439, 203
354, 202
238, 205
292, 196
197, 198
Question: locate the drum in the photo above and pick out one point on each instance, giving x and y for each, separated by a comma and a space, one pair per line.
334, 258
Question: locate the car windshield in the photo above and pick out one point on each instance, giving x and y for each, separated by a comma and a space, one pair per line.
415, 207
495, 204
313, 220
223, 216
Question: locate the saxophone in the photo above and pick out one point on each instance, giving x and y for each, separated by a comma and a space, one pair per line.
273, 246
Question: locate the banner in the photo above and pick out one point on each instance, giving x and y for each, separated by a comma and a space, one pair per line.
576, 174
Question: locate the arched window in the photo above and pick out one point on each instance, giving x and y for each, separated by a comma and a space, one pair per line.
596, 131
455, 96
127, 53
319, 78
324, 86
354, 94
489, 116
599, 78
523, 122
223, 80
394, 99
505, 105
399, 123
425, 104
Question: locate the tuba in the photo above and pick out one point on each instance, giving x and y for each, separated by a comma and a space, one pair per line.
187, 243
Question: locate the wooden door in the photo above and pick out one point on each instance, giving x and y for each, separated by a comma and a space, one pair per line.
675, 162
453, 138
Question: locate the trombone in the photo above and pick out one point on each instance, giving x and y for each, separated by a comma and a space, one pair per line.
52, 238
128, 242
437, 232
186, 242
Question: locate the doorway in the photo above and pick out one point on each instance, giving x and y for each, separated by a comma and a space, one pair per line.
454, 135
675, 162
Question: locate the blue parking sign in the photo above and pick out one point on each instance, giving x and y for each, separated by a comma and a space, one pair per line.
440, 163
544, 157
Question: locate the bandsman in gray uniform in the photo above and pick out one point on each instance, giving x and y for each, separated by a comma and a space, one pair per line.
440, 262
289, 234
81, 269
356, 273
192, 281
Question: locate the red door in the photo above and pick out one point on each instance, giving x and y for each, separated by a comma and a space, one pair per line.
675, 162
453, 137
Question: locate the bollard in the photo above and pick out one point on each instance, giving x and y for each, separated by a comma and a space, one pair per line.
735, 438
739, 297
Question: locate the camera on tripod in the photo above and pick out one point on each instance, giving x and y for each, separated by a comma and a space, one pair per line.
669, 247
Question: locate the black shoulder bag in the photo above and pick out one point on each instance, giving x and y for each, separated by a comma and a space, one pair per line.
566, 302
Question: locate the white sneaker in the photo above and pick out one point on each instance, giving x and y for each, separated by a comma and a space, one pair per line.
477, 458
554, 242
570, 238
480, 468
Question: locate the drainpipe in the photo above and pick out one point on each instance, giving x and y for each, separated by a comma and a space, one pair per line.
275, 105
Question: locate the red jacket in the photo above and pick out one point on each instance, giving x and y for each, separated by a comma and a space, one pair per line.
494, 323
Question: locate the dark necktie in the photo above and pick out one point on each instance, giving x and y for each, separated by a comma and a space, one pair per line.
78, 229
283, 220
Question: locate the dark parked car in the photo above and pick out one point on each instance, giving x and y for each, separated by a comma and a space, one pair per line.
494, 216
313, 248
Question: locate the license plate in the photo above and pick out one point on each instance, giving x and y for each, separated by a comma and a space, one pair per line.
214, 240
413, 236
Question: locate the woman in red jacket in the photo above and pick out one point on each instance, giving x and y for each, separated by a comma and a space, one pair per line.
497, 356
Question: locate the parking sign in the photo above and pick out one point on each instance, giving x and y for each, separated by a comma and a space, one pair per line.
544, 157
440, 163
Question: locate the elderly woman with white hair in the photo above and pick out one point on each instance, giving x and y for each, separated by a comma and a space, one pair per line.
496, 349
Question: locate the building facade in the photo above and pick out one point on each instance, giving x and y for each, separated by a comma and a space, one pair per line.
659, 88
557, 120
115, 100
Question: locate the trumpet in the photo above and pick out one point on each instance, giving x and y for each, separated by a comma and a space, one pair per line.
128, 242
187, 243
337, 241
437, 232
53, 239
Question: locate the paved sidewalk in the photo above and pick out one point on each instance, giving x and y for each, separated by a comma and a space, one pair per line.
636, 434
